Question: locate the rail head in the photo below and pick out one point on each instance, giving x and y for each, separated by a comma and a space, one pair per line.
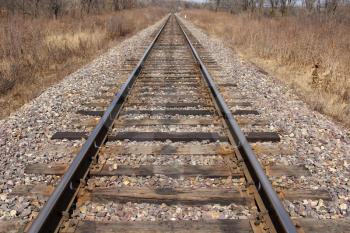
63, 196
281, 219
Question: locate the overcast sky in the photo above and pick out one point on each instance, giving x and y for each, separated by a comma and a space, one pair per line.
196, 0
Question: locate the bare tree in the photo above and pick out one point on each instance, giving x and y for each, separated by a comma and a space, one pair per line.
116, 5
283, 6
261, 4
10, 6
89, 5
309, 4
245, 5
56, 7
318, 6
86, 5
331, 6
36, 8
252, 5
217, 4
273, 5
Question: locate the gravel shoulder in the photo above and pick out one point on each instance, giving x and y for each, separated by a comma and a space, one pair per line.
318, 143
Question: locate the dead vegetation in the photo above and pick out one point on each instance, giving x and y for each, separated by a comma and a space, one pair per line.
309, 52
37, 51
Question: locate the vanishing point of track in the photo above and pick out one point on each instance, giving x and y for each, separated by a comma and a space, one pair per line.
170, 86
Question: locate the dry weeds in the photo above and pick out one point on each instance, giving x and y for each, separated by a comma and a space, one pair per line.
35, 53
289, 48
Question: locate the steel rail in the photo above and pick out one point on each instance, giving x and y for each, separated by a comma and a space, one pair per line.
281, 219
64, 194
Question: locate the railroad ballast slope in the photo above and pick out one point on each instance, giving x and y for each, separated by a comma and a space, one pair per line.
25, 135
316, 141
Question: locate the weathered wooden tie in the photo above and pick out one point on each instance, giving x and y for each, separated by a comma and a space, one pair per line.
171, 136
206, 171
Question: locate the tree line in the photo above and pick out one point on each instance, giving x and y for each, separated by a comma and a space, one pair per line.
57, 8
274, 6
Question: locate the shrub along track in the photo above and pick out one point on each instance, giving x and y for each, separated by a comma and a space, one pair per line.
167, 139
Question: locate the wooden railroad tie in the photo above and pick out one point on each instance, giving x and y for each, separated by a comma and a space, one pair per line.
193, 196
173, 136
206, 171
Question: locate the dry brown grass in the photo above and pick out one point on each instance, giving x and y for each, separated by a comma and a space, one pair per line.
35, 53
288, 48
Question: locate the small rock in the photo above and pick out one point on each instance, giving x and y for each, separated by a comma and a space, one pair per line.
3, 197
26, 212
83, 209
304, 132
343, 206
10, 182
13, 213
284, 161
101, 214
303, 213
99, 208
313, 204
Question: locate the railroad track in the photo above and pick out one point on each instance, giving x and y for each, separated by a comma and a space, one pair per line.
167, 141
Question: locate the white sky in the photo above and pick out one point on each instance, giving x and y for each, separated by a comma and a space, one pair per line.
195, 0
